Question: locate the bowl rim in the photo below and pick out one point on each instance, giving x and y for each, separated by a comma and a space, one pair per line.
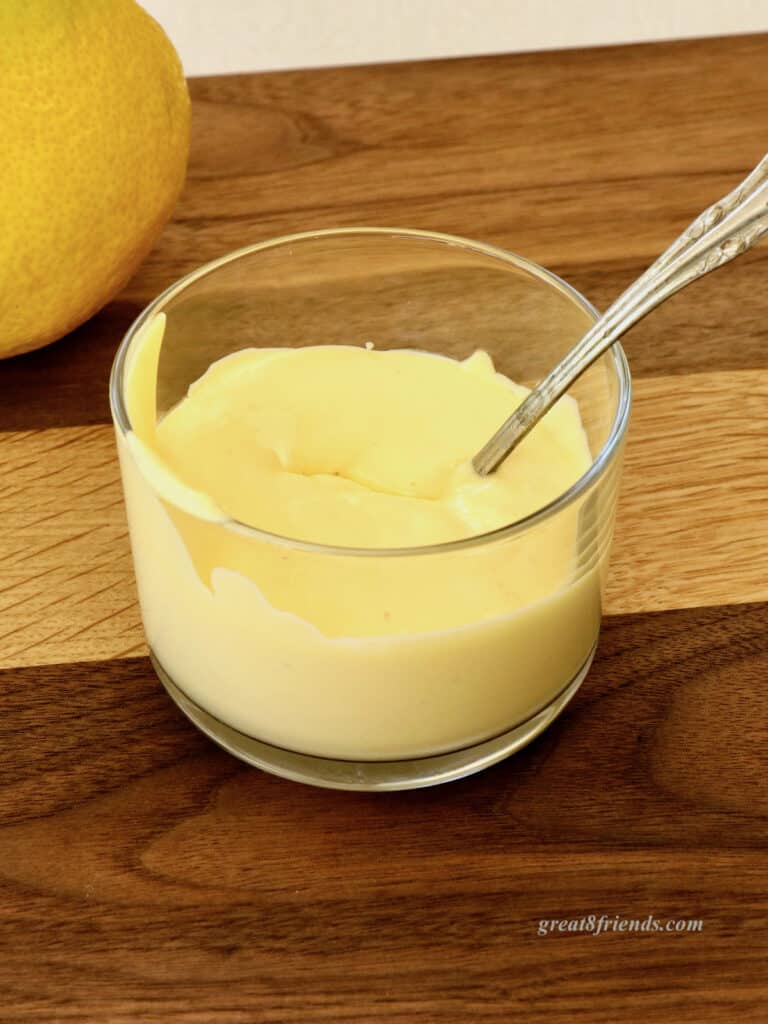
599, 465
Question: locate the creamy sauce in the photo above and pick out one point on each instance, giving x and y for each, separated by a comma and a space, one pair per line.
354, 656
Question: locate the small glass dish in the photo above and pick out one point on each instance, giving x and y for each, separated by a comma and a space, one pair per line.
237, 618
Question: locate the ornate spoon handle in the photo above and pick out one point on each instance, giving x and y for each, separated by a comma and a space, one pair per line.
723, 231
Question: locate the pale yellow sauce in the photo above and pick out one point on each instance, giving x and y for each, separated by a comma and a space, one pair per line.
354, 656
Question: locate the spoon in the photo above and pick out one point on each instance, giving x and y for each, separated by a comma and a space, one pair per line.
723, 231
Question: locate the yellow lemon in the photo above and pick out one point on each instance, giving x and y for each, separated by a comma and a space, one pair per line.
94, 137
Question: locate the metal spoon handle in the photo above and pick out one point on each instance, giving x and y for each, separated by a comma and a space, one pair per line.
723, 231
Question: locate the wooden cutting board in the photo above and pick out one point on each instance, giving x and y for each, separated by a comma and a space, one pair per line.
146, 876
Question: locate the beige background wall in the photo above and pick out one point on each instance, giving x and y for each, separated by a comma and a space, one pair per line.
216, 36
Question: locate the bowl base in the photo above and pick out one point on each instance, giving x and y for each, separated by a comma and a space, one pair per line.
414, 773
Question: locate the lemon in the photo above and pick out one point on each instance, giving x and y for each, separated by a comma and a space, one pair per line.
94, 137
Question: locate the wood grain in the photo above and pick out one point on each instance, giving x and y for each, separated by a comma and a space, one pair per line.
66, 591
146, 876
153, 877
692, 525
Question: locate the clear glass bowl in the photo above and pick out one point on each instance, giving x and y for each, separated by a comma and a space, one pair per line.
239, 634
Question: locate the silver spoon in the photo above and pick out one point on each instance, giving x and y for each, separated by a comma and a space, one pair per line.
723, 231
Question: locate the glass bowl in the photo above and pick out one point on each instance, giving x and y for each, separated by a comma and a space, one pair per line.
360, 668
